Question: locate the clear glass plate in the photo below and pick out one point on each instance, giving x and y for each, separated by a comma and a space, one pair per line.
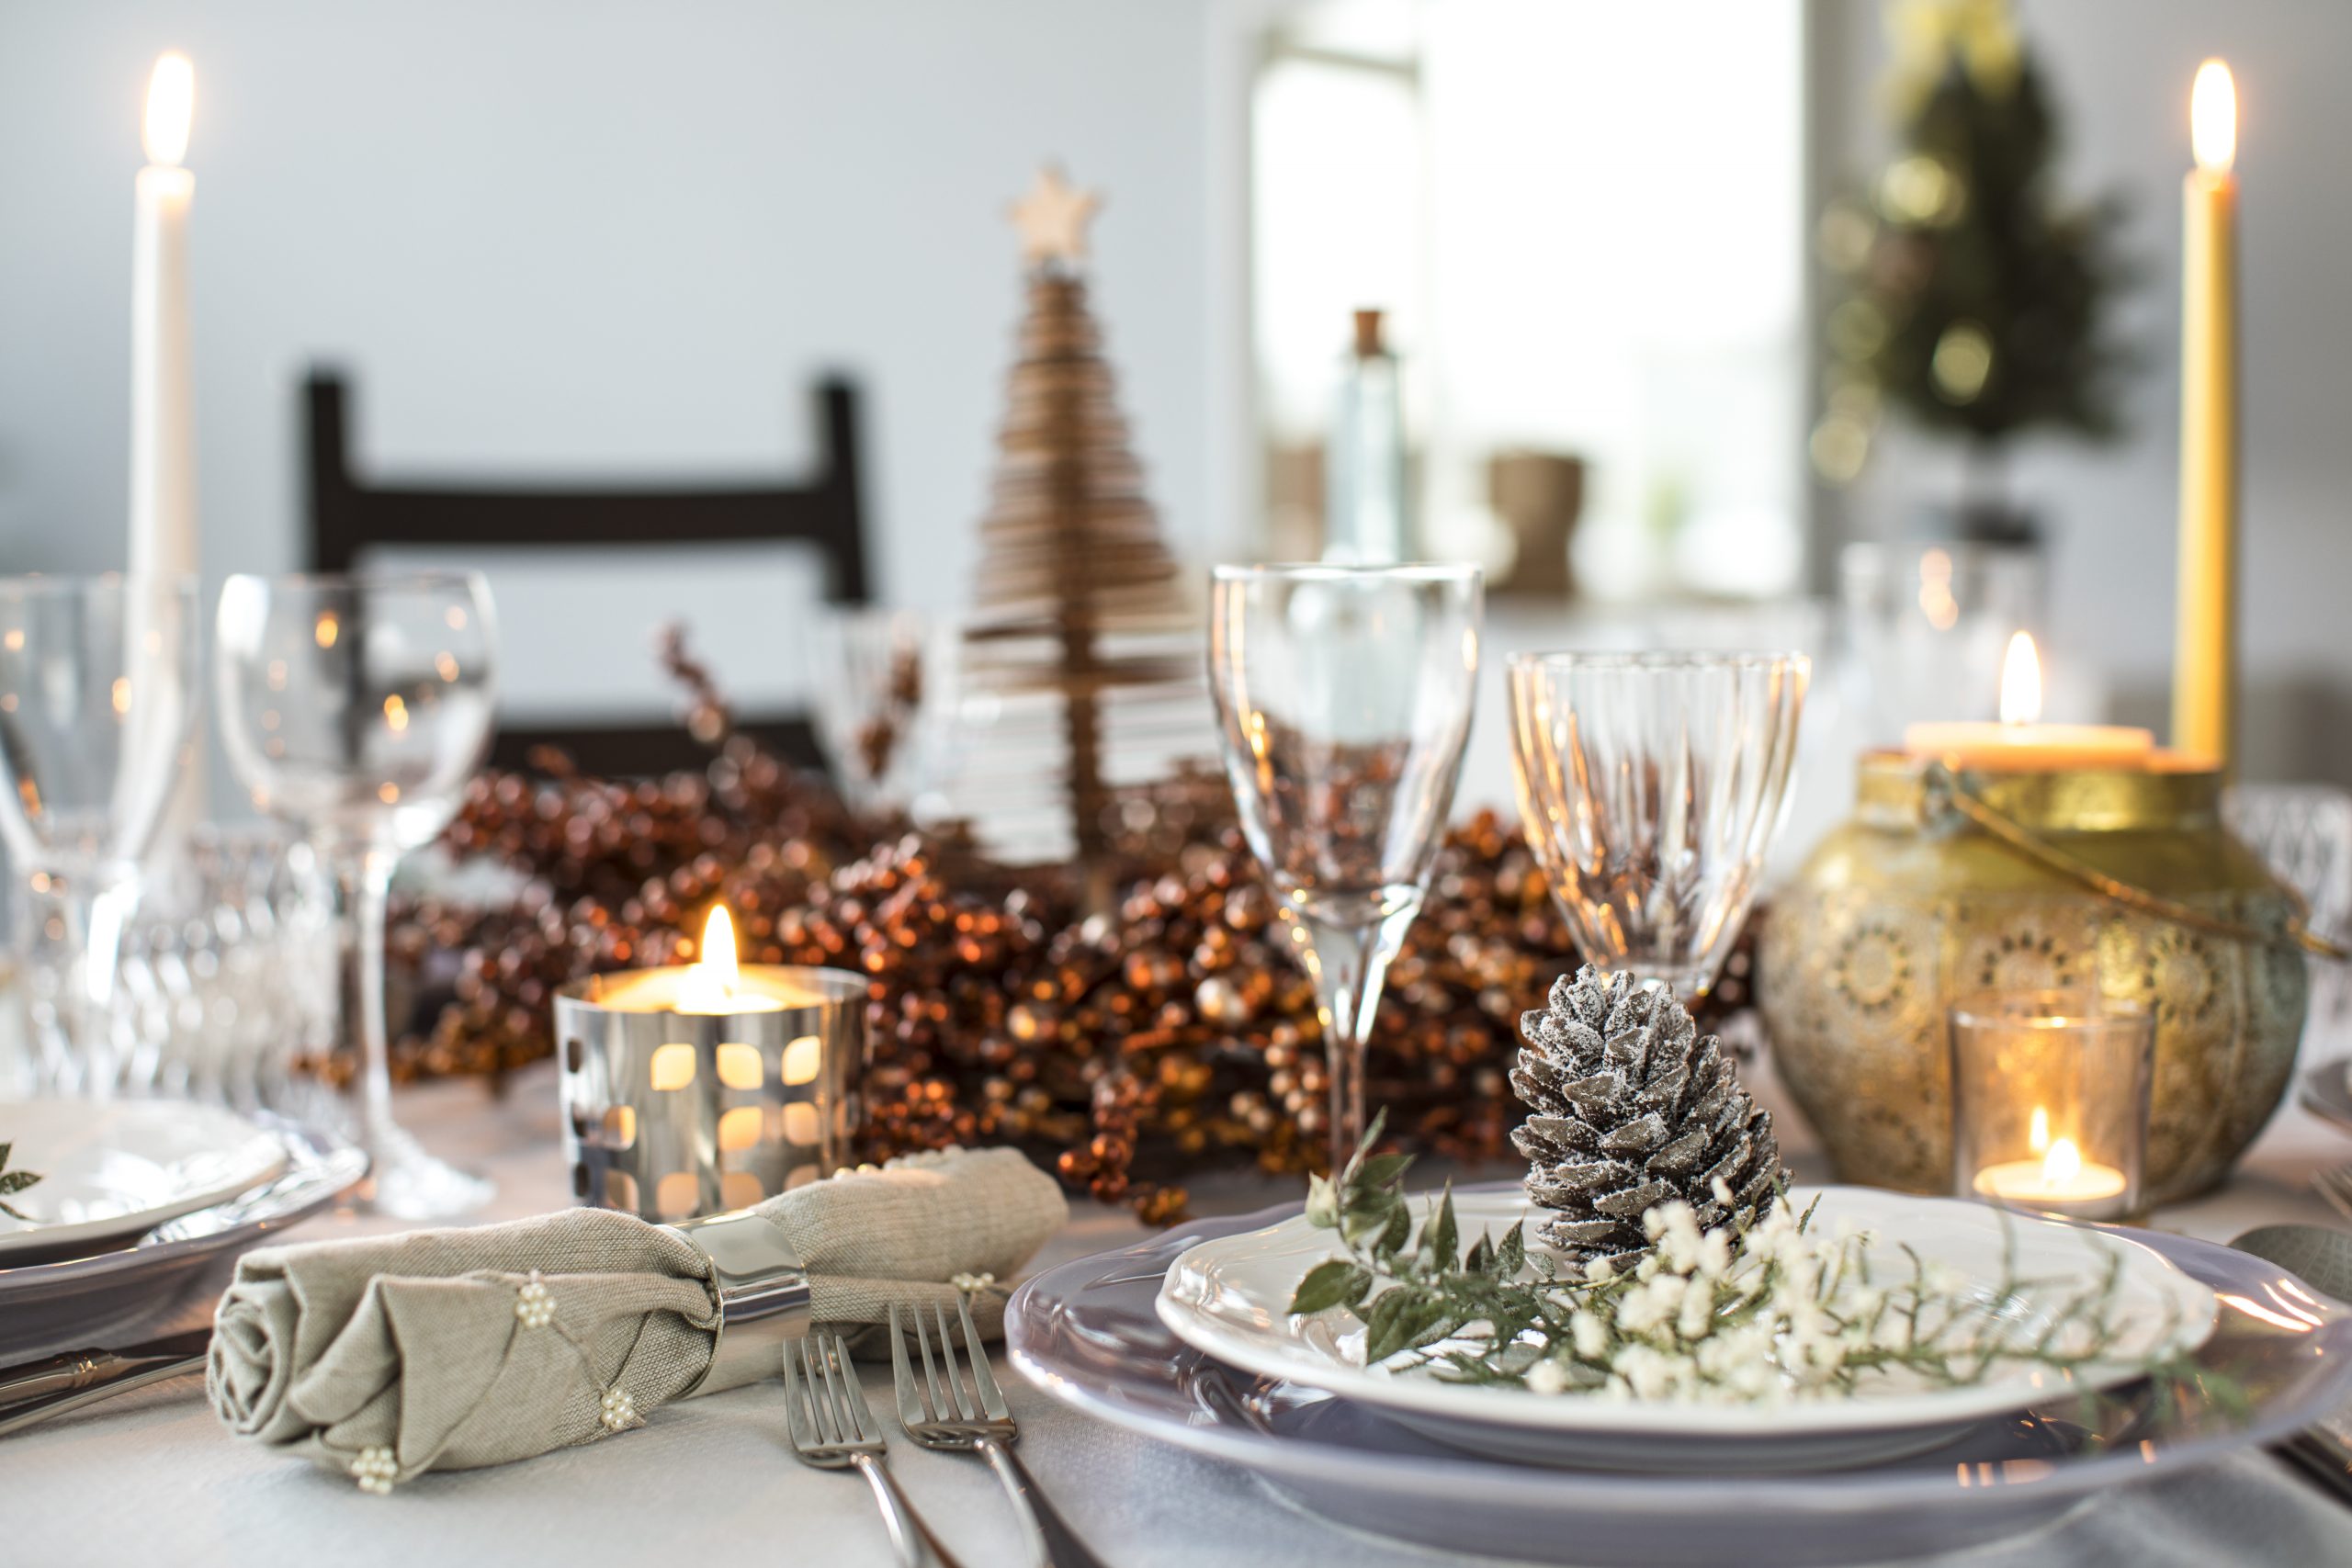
1088, 1333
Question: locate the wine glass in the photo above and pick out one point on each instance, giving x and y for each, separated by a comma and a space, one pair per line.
1651, 787
357, 708
97, 705
1344, 695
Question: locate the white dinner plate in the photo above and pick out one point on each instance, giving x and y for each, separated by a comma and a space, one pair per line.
1229, 1298
116, 1169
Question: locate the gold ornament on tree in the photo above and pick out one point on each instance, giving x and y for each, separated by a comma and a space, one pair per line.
1083, 634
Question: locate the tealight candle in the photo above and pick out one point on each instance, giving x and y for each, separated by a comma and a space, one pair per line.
2050, 1102
709, 1086
2020, 742
715, 985
2055, 1181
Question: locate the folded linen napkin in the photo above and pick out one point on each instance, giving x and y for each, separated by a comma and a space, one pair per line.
447, 1350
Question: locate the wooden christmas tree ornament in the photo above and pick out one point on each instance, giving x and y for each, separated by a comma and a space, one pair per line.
1082, 630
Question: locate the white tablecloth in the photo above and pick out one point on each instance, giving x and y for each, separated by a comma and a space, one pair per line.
151, 1479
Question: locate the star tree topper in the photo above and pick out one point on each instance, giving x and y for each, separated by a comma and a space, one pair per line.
1052, 220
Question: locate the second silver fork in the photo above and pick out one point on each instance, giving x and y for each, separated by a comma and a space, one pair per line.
834, 1427
941, 1412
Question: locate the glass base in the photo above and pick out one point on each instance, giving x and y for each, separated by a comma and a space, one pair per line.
407, 1183
1689, 986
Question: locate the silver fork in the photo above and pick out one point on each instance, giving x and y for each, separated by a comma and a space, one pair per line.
2334, 1184
834, 1428
977, 1421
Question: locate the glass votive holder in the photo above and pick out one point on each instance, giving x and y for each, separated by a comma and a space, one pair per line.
2050, 1102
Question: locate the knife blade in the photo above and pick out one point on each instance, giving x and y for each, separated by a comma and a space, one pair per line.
36, 1391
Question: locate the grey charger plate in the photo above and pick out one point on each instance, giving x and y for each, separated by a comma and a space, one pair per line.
73, 1303
1087, 1333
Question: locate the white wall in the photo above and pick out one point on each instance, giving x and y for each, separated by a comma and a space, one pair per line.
598, 237
589, 236
2120, 71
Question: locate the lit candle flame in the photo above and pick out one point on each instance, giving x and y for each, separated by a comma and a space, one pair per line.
171, 105
711, 978
2037, 1136
2213, 118
2063, 1166
2020, 683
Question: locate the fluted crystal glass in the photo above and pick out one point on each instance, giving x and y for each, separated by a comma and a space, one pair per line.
1344, 696
97, 701
357, 709
1651, 787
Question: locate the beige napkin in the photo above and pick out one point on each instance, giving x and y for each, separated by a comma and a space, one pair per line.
448, 1350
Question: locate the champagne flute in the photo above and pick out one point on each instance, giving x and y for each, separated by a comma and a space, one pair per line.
1344, 696
357, 708
97, 704
1651, 787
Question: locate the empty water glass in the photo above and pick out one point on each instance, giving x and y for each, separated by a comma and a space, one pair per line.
214, 1003
2305, 832
881, 683
97, 702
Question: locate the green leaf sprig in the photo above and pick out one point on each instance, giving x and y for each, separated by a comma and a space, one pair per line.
11, 1183
1435, 1289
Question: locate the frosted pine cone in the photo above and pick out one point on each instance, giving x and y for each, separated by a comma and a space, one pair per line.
1633, 1107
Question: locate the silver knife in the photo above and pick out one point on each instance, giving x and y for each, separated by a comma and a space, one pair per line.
35, 1392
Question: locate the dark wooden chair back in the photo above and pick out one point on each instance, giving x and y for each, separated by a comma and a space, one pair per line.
351, 516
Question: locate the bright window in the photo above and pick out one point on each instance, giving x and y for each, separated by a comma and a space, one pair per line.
1585, 220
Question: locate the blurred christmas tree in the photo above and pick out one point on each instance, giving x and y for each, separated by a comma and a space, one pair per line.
1975, 299
1083, 632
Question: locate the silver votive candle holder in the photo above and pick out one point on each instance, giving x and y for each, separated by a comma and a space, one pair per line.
2049, 1094
694, 1089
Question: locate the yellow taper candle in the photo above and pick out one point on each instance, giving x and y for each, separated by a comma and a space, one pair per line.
2204, 683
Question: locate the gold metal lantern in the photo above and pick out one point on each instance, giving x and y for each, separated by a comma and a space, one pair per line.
1952, 883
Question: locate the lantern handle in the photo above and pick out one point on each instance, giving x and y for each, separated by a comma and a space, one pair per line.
1944, 781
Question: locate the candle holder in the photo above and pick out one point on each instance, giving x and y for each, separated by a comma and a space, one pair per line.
677, 1106
1914, 905
2050, 1102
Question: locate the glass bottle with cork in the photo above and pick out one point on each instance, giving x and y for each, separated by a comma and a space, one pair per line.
1363, 466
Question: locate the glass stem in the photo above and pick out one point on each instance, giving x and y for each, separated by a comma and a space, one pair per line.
363, 886
1347, 965
91, 915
